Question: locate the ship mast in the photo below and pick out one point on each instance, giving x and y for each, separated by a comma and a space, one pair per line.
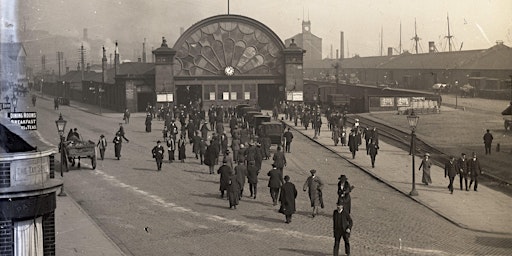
415, 38
449, 36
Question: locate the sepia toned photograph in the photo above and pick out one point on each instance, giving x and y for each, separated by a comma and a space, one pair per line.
236, 127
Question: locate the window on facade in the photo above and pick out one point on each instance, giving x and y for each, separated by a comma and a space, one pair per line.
28, 237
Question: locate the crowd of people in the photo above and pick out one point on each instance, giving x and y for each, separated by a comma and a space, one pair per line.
238, 158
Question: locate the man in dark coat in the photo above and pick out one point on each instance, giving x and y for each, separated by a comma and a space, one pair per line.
488, 142
225, 174
353, 143
450, 170
158, 154
462, 168
233, 190
342, 226
373, 150
288, 137
474, 171
287, 199
274, 183
211, 155
252, 178
241, 173
279, 160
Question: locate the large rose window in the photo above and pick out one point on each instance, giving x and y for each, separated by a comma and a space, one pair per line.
224, 46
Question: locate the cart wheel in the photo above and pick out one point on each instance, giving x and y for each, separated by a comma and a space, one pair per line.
93, 162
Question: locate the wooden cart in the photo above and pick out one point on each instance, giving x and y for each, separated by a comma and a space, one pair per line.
80, 149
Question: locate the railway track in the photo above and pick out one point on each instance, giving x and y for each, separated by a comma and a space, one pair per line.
402, 139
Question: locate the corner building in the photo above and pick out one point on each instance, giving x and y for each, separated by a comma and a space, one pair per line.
228, 60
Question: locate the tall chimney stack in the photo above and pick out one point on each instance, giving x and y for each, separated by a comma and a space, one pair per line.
390, 51
331, 53
144, 51
337, 53
85, 34
342, 45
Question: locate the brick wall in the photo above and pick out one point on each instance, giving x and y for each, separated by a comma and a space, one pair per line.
5, 174
49, 234
6, 238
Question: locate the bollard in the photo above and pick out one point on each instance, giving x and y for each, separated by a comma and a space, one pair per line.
498, 147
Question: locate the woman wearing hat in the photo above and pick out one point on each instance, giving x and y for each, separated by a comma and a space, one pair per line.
344, 189
426, 163
315, 185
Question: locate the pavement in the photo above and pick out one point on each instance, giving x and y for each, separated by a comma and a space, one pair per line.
486, 210
76, 233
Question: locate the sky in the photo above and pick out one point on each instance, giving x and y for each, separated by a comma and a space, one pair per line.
475, 24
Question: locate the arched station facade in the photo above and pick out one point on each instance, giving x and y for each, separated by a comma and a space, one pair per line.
228, 60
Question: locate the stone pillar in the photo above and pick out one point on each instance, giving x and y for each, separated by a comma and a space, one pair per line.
294, 76
164, 71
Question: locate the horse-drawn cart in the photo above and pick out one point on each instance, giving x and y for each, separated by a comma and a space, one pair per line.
80, 149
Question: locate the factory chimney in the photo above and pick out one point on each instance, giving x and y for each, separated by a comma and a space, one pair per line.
342, 45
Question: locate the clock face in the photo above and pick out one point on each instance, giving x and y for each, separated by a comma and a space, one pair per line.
229, 71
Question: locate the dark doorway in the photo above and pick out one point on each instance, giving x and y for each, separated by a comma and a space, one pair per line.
187, 94
269, 94
143, 98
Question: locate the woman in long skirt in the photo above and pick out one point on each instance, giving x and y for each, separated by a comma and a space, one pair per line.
181, 148
426, 163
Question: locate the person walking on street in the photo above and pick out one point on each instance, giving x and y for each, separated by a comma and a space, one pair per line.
241, 173
462, 169
288, 137
182, 148
211, 155
171, 148
287, 199
233, 190
274, 183
126, 116
342, 227
225, 174
488, 142
450, 170
158, 154
344, 189
148, 121
279, 160
373, 150
121, 132
474, 171
252, 178
426, 163
353, 144
102, 145
118, 143
315, 186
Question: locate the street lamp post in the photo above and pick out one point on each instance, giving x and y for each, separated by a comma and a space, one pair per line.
413, 122
61, 127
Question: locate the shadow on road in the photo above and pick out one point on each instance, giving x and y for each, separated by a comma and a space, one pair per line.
303, 252
495, 242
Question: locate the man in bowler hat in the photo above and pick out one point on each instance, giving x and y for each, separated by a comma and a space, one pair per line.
342, 226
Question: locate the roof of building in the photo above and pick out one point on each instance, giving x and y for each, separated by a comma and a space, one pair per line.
498, 57
12, 50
